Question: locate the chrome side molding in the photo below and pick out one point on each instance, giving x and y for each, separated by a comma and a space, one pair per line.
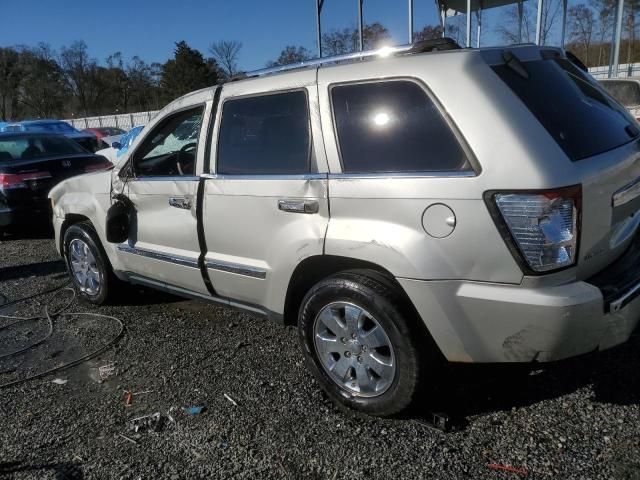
177, 259
240, 269
266, 176
626, 193
188, 262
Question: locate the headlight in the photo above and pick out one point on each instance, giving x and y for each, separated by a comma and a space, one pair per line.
543, 226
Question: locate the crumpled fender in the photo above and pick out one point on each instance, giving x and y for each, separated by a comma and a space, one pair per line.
87, 195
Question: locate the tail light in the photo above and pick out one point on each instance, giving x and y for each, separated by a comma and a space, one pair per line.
9, 181
540, 227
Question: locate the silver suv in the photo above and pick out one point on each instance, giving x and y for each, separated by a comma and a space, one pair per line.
466, 205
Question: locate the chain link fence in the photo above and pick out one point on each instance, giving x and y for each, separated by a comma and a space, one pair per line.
123, 120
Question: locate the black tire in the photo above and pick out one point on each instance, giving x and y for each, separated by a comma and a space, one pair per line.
85, 232
381, 299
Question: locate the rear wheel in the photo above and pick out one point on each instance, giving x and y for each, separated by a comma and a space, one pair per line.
87, 263
360, 344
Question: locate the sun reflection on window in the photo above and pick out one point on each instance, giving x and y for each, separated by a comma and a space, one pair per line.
381, 119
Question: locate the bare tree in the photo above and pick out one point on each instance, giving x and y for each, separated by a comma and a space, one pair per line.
632, 8
455, 28
226, 54
338, 42
605, 10
509, 28
428, 32
550, 11
290, 54
81, 74
375, 35
581, 25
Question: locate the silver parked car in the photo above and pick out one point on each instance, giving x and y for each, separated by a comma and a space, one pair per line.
465, 205
626, 91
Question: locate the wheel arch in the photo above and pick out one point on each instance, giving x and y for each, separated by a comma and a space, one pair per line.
315, 268
69, 220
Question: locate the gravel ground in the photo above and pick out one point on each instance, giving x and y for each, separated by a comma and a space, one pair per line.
574, 419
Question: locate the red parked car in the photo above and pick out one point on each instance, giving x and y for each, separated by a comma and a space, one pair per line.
104, 131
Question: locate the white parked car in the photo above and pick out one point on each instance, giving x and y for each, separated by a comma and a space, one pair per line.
119, 144
467, 206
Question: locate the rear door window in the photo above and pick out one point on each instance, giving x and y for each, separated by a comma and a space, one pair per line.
268, 134
582, 118
393, 126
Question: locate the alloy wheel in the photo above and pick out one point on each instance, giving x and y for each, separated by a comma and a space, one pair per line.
84, 267
354, 349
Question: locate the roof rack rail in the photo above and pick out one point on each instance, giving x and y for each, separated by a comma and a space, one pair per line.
417, 47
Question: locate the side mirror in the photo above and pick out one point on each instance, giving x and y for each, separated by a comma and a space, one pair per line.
126, 171
116, 145
118, 221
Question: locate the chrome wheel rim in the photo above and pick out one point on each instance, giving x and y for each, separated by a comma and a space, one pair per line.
84, 267
354, 349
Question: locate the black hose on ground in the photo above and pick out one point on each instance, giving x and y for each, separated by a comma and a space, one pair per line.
49, 317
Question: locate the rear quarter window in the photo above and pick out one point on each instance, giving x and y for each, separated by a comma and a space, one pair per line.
581, 117
393, 126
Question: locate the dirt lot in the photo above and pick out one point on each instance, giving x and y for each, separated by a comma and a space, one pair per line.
575, 419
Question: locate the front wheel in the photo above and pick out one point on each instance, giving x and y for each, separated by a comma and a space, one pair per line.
359, 343
87, 263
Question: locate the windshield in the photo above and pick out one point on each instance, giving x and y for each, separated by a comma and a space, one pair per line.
27, 147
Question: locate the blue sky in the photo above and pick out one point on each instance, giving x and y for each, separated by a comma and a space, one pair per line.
150, 28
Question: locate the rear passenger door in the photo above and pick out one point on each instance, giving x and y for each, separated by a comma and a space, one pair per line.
265, 202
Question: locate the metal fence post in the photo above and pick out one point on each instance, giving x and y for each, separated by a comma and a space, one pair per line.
360, 31
617, 34
319, 4
539, 22
411, 21
468, 24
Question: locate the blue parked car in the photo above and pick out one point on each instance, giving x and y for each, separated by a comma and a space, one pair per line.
121, 146
127, 139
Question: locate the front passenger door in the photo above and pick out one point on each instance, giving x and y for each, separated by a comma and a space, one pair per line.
163, 243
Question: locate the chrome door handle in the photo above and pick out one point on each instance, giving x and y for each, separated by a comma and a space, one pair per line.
298, 206
180, 202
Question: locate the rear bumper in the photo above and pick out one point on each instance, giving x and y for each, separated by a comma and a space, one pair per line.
25, 215
483, 322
